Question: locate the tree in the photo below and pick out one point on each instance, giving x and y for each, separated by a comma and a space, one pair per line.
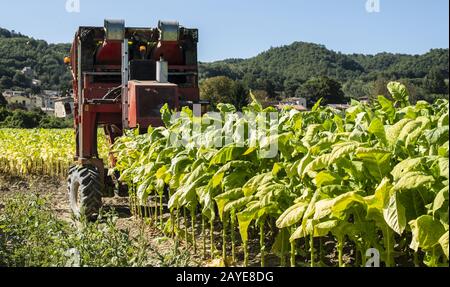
22, 119
217, 90
6, 82
21, 80
379, 88
3, 101
355, 89
435, 82
321, 87
240, 95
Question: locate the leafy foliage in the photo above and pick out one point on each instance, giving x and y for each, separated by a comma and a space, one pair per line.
353, 175
32, 235
283, 71
40, 151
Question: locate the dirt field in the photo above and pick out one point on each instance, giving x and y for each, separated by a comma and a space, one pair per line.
55, 190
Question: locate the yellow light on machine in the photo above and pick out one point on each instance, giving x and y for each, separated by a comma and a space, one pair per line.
67, 60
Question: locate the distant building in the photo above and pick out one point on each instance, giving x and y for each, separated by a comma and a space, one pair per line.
296, 103
364, 99
27, 71
64, 107
45, 101
18, 98
36, 82
51, 93
339, 106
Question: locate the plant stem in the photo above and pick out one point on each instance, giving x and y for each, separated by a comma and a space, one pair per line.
283, 258
262, 243
193, 230
416, 259
224, 237
233, 243
178, 222
388, 246
161, 210
211, 236
340, 250
293, 253
185, 226
172, 223
311, 245
245, 254
204, 237
156, 209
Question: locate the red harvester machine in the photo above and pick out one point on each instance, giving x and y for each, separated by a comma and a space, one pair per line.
121, 78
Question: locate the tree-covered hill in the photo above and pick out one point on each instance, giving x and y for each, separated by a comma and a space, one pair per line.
46, 60
283, 70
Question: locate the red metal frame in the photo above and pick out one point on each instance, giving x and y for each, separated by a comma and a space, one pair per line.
92, 111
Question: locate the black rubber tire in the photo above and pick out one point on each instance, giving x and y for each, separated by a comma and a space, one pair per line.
85, 191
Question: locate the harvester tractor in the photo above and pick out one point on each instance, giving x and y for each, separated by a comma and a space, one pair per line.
122, 77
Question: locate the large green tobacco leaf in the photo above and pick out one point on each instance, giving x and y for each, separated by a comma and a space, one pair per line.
219, 175
377, 201
394, 214
437, 136
440, 200
223, 198
311, 133
409, 129
238, 203
245, 217
413, 180
387, 107
320, 162
252, 185
344, 201
405, 166
292, 215
323, 228
377, 128
398, 92
376, 160
394, 131
326, 178
342, 149
443, 166
426, 232
443, 241
227, 153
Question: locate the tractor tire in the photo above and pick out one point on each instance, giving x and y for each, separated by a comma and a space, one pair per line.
85, 191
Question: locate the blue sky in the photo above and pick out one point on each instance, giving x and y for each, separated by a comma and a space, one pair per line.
244, 28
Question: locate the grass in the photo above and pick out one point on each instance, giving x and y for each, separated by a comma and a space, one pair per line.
32, 235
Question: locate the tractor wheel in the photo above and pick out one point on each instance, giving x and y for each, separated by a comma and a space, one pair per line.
85, 191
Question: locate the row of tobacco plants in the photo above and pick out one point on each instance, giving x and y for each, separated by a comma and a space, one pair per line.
372, 177
40, 151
